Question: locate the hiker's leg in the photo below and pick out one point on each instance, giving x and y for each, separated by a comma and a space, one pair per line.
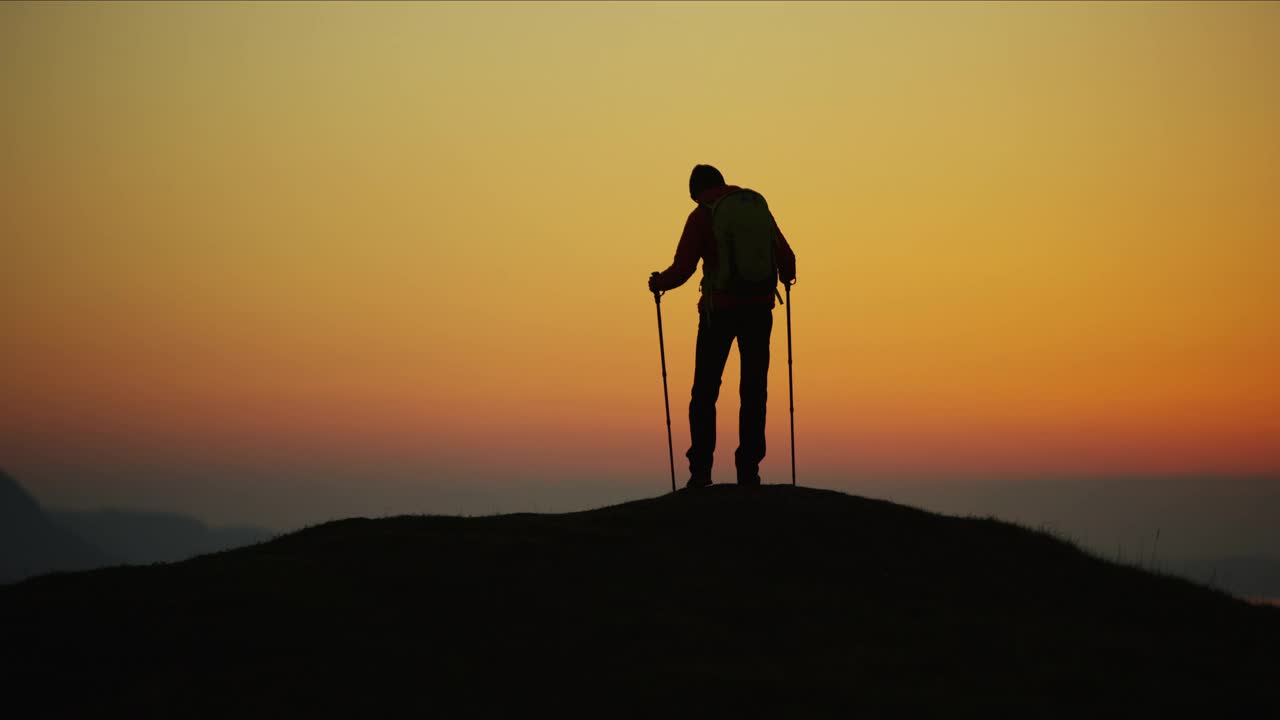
754, 327
714, 339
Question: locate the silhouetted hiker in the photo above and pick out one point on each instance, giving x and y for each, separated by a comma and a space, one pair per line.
743, 256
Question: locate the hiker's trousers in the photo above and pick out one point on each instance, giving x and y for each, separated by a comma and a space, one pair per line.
751, 327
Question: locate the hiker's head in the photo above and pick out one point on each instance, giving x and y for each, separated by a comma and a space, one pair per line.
703, 178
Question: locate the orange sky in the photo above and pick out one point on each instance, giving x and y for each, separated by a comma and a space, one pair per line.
1031, 238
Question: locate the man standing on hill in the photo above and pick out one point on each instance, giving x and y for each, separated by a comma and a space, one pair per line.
743, 256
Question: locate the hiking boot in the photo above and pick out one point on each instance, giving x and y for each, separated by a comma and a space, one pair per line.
698, 481
749, 480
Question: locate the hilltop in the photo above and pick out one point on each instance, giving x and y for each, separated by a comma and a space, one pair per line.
795, 602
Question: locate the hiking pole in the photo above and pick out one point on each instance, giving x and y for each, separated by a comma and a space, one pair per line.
791, 388
666, 401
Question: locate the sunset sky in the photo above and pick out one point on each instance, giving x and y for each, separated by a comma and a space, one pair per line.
277, 263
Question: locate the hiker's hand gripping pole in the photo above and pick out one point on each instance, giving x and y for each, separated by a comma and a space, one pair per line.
666, 401
791, 389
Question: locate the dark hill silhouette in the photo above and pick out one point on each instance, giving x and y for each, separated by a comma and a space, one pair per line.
774, 601
31, 543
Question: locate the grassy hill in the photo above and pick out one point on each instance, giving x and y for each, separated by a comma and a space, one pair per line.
784, 601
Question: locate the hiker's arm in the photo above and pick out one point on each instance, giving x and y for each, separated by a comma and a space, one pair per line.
686, 260
786, 259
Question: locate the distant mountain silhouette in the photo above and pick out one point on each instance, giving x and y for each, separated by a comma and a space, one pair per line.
35, 541
769, 602
141, 538
31, 543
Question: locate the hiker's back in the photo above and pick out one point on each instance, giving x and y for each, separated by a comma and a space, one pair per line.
746, 246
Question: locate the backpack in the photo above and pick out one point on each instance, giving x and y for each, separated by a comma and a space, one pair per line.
746, 238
